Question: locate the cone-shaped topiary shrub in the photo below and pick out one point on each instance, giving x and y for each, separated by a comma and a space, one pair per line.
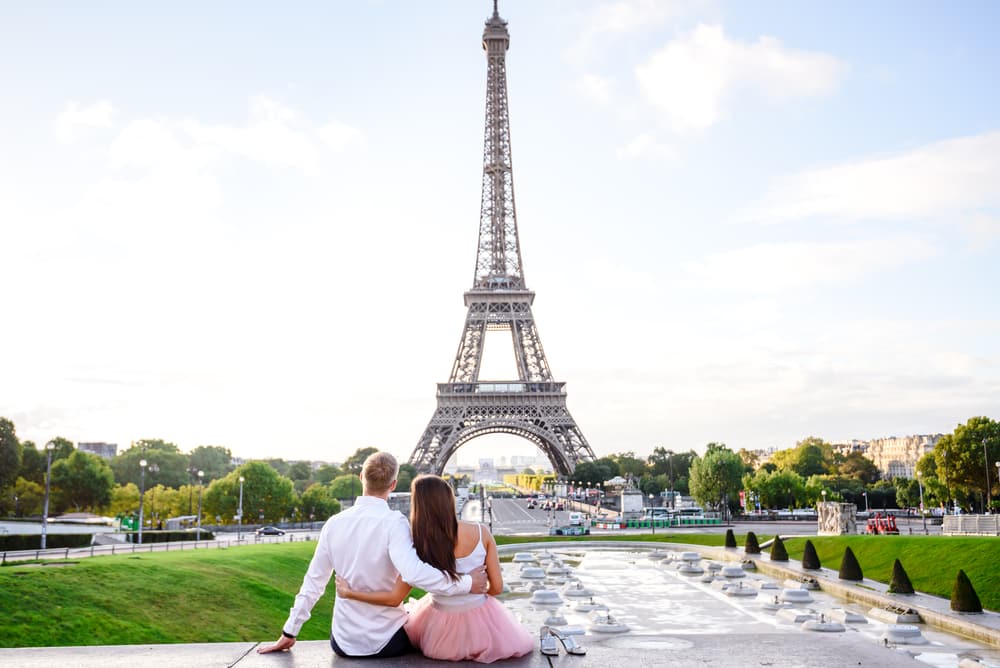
850, 569
810, 560
900, 583
751, 546
963, 597
778, 551
730, 538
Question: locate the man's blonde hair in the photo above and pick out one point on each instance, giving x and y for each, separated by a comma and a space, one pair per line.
378, 472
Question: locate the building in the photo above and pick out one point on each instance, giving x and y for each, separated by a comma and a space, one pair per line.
105, 450
897, 456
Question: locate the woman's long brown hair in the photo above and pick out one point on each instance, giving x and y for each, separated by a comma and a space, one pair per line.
433, 522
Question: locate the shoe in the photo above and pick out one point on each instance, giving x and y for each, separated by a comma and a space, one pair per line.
548, 642
569, 643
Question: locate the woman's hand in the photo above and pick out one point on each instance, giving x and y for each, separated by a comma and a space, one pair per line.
343, 589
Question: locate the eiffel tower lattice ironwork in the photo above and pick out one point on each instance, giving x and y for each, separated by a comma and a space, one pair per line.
534, 405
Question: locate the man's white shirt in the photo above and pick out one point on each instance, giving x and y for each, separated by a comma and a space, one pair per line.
368, 545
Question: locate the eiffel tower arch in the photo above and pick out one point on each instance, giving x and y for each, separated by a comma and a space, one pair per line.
532, 406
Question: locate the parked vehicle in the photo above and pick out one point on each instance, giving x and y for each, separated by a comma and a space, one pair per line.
270, 531
576, 519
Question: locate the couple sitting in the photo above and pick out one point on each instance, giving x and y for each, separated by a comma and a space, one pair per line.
376, 561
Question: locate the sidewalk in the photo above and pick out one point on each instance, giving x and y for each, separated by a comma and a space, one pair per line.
677, 651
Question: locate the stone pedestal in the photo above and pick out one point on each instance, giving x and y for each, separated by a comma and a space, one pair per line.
835, 518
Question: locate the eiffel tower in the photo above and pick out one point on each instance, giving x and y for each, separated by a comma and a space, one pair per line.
534, 405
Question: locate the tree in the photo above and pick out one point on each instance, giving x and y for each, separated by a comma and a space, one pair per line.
963, 595
629, 464
810, 560
780, 489
10, 454
591, 472
900, 583
124, 499
317, 503
32, 463
354, 463
214, 460
264, 491
716, 476
300, 471
859, 467
750, 459
30, 496
327, 472
850, 569
965, 457
407, 472
83, 480
279, 465
345, 487
172, 465
675, 466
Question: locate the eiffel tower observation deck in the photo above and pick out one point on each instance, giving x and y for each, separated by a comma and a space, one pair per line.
532, 406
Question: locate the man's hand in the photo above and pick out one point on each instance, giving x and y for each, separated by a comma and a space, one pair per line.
480, 584
280, 646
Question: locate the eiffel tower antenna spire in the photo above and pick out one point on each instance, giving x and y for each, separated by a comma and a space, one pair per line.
532, 406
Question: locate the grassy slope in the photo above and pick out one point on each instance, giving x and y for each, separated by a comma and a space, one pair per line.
244, 593
931, 561
163, 597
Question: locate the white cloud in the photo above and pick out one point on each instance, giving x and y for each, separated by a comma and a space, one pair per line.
692, 78
274, 135
338, 135
68, 123
594, 87
953, 180
646, 145
777, 267
625, 16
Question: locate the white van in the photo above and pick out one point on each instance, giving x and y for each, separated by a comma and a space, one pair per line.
576, 519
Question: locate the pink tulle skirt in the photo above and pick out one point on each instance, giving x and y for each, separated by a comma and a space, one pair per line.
485, 634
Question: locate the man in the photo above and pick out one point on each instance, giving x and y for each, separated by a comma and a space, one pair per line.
369, 545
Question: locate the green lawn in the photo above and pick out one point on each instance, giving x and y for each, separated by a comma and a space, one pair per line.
209, 595
243, 594
930, 561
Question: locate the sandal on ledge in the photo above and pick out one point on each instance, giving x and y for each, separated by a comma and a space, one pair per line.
547, 642
569, 643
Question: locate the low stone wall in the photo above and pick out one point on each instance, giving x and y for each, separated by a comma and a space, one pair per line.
971, 525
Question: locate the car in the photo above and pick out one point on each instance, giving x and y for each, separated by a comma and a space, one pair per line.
576, 519
532, 503
560, 505
270, 531
569, 531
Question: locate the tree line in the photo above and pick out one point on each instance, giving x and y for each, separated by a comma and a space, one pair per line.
273, 489
954, 473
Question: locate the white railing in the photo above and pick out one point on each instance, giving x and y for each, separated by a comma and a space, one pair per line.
131, 548
974, 525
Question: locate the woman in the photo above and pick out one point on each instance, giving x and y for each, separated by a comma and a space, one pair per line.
473, 627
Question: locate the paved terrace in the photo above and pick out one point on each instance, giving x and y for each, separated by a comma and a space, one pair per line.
747, 643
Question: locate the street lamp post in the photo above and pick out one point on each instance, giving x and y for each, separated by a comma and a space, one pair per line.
153, 468
201, 475
652, 515
239, 529
923, 515
142, 493
989, 500
865, 494
49, 447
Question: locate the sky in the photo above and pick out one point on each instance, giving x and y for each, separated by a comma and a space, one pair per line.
251, 224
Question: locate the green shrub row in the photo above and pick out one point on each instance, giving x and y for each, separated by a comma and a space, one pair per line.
15, 542
157, 536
